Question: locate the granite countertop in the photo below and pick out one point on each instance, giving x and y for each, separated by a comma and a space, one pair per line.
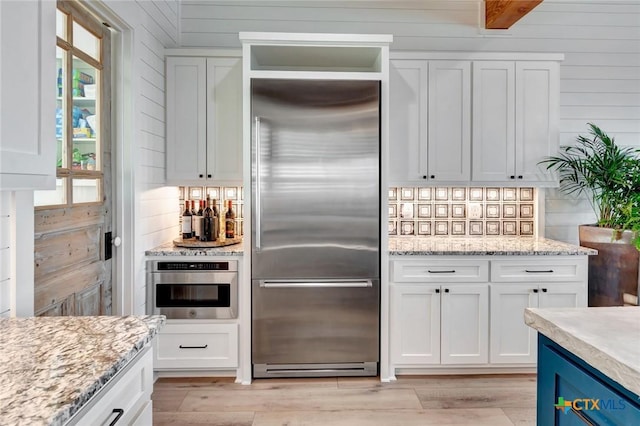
51, 366
511, 246
169, 249
606, 338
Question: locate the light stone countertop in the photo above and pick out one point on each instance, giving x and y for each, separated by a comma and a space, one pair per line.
169, 249
420, 246
51, 366
607, 338
507, 246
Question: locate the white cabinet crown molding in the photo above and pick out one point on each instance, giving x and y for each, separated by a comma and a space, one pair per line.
476, 56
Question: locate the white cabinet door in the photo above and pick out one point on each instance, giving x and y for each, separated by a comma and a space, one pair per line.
537, 105
186, 120
493, 121
515, 113
512, 341
224, 120
415, 324
27, 95
563, 295
204, 121
408, 122
449, 122
465, 324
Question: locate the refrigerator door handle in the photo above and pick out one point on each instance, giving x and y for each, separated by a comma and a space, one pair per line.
316, 284
258, 184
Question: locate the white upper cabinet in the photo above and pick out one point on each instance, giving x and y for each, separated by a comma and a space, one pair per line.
514, 120
408, 122
449, 146
27, 95
204, 121
537, 110
429, 121
489, 118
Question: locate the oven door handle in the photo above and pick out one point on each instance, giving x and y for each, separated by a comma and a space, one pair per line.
316, 284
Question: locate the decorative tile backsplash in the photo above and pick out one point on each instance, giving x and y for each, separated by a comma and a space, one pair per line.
461, 211
219, 193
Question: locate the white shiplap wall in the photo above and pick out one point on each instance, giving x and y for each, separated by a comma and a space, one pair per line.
155, 26
600, 77
5, 254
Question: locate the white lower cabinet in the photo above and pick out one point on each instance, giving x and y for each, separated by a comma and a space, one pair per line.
439, 324
125, 399
513, 342
438, 320
187, 346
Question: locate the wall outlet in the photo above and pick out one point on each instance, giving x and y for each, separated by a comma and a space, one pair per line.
475, 211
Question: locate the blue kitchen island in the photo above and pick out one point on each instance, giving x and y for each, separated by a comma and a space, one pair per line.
588, 365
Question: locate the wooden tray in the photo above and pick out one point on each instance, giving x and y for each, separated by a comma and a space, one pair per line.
193, 243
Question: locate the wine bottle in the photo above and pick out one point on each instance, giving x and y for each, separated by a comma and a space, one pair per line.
207, 223
186, 221
230, 221
215, 231
194, 218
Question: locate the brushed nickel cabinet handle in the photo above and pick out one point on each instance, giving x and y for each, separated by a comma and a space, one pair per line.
193, 347
448, 271
547, 271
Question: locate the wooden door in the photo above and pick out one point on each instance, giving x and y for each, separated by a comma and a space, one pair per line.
73, 223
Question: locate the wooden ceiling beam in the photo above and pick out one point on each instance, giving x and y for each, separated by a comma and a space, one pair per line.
502, 14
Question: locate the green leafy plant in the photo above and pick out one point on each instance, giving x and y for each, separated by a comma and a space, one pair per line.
608, 174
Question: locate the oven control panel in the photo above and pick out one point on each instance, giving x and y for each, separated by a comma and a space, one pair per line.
195, 266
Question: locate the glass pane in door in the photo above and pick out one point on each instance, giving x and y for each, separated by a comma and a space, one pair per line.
61, 103
86, 41
86, 145
86, 191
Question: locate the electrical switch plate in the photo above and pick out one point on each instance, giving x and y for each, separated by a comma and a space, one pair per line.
475, 211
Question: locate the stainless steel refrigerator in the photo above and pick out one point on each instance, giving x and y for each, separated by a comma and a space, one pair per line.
315, 260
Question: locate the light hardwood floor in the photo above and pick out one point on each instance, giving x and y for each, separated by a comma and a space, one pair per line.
494, 400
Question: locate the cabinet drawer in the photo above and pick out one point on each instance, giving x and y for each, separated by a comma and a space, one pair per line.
538, 270
442, 270
126, 396
196, 346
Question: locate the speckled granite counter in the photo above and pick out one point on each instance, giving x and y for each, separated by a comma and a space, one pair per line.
509, 246
169, 249
51, 366
606, 338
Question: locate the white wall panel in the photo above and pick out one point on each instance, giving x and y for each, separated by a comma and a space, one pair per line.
5, 253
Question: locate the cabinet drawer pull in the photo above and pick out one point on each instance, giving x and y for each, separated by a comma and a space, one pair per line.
449, 271
446, 290
548, 271
193, 347
535, 290
120, 413
437, 290
433, 176
544, 290
200, 175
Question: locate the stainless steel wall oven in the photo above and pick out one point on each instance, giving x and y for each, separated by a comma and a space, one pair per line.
192, 290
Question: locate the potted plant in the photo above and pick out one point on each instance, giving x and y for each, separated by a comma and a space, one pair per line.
609, 176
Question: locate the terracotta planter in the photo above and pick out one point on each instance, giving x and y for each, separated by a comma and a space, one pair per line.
614, 270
